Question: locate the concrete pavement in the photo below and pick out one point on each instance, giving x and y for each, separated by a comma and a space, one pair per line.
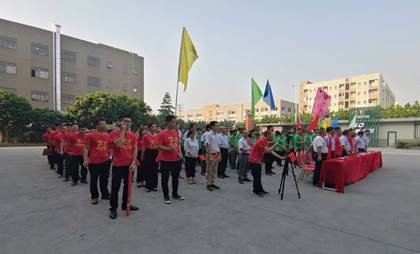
41, 214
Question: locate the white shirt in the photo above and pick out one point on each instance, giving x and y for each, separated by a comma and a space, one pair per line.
223, 141
345, 142
191, 147
330, 139
203, 137
320, 142
360, 142
367, 140
244, 146
212, 139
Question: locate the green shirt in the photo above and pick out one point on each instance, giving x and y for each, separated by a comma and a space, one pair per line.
233, 141
297, 142
308, 140
282, 141
200, 144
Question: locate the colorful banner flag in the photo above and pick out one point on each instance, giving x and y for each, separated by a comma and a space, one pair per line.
256, 96
352, 124
313, 125
334, 123
321, 104
326, 123
268, 96
187, 56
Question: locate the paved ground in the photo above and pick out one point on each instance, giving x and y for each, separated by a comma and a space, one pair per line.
381, 214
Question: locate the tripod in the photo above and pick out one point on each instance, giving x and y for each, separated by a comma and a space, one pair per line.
285, 173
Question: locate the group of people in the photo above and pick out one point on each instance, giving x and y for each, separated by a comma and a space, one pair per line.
73, 151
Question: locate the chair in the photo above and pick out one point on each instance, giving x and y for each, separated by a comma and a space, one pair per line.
307, 168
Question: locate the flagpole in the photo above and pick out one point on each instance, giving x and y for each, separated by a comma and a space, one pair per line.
296, 102
177, 80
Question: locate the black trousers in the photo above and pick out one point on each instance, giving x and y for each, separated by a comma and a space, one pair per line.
59, 158
140, 177
190, 166
268, 162
233, 159
318, 166
172, 168
50, 156
361, 150
119, 173
202, 151
67, 171
100, 171
74, 163
224, 153
256, 174
150, 167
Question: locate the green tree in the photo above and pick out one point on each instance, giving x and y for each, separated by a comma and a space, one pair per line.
166, 107
85, 110
14, 114
41, 119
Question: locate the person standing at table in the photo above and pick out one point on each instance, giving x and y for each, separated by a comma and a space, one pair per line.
212, 155
320, 154
338, 145
360, 142
169, 157
191, 148
224, 153
366, 138
256, 157
344, 140
330, 142
244, 146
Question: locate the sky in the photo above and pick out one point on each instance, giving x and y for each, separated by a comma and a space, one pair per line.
283, 41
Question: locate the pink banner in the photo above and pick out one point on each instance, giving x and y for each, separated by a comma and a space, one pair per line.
321, 104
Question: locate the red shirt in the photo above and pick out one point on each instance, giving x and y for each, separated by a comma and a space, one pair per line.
52, 137
66, 147
257, 152
98, 143
75, 142
338, 146
151, 142
168, 139
123, 156
58, 140
46, 137
140, 144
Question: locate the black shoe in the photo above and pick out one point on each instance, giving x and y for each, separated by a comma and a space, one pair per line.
113, 214
203, 173
132, 208
209, 187
225, 176
214, 186
148, 190
84, 181
273, 173
52, 168
59, 176
220, 176
73, 183
66, 180
258, 194
240, 181
105, 197
268, 173
264, 192
246, 179
94, 201
177, 197
154, 189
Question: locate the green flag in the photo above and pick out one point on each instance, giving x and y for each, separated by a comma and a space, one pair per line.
256, 96
352, 124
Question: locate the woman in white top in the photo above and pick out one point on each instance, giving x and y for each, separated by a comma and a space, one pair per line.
191, 154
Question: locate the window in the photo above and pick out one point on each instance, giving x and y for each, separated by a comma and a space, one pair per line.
39, 49
69, 77
230, 112
69, 56
67, 98
199, 115
9, 68
94, 81
7, 42
39, 96
94, 61
39, 73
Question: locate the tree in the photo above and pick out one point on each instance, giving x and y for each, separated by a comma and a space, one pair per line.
85, 110
166, 107
14, 114
41, 119
227, 124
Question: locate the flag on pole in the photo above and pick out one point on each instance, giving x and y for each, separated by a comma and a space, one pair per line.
256, 96
321, 103
326, 123
268, 96
334, 123
313, 125
187, 56
352, 124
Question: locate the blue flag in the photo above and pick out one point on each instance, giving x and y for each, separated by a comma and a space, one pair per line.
334, 123
268, 96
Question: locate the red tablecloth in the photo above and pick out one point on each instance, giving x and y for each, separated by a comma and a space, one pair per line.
338, 172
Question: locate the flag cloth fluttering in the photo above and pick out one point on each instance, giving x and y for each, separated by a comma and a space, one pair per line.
268, 96
187, 56
352, 124
334, 123
256, 96
313, 125
321, 103
326, 123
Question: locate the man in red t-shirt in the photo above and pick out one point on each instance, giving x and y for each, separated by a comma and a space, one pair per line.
58, 140
75, 143
149, 154
124, 158
96, 159
67, 150
259, 149
169, 157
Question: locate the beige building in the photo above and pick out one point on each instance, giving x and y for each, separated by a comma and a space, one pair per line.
237, 112
349, 92
51, 69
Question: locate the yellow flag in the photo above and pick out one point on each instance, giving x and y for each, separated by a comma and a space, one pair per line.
187, 56
326, 123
